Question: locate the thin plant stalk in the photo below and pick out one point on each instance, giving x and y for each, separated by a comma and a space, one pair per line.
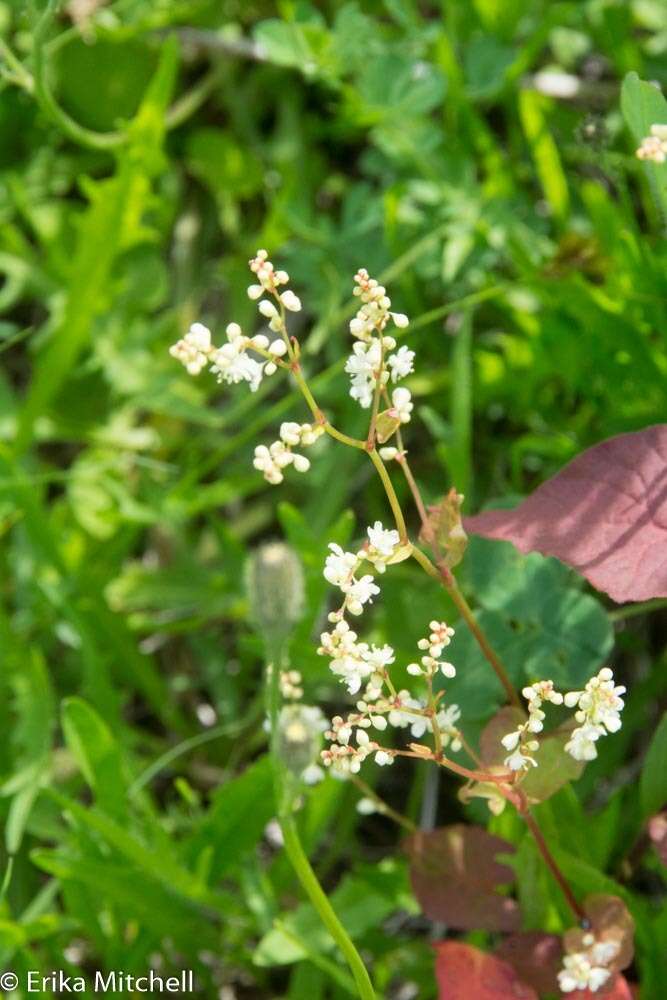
292, 842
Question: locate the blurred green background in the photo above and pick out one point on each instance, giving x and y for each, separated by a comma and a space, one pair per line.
472, 155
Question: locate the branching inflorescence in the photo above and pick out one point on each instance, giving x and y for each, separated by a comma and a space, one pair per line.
375, 365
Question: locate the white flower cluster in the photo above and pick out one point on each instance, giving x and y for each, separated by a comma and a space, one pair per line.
412, 712
350, 743
520, 742
441, 636
194, 350
358, 662
599, 706
273, 459
351, 660
587, 970
598, 712
301, 728
373, 313
341, 569
654, 146
270, 281
369, 365
290, 684
231, 363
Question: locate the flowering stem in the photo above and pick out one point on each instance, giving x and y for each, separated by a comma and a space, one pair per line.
382, 806
553, 867
410, 479
448, 580
391, 494
370, 440
451, 765
433, 713
452, 587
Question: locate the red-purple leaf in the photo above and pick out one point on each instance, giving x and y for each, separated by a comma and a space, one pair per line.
604, 514
610, 920
536, 958
454, 876
466, 973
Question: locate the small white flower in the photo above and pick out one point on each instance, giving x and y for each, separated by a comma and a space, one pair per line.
599, 707
402, 404
290, 301
267, 308
278, 348
517, 761
654, 146
194, 349
382, 758
339, 566
400, 319
401, 363
511, 741
255, 292
383, 540
360, 592
388, 454
290, 432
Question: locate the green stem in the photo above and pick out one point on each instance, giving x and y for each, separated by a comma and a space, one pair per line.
327, 914
448, 580
643, 608
382, 807
391, 494
553, 867
293, 847
84, 136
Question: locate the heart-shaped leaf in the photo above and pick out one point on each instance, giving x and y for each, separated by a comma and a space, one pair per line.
536, 958
466, 973
609, 920
454, 876
555, 768
604, 514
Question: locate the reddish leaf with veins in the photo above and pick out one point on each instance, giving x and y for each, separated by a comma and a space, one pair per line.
466, 973
454, 876
604, 514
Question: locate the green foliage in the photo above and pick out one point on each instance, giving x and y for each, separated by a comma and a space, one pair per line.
145, 152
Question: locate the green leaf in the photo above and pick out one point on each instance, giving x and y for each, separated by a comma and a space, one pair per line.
112, 222
558, 632
95, 750
643, 105
362, 901
653, 781
533, 109
235, 822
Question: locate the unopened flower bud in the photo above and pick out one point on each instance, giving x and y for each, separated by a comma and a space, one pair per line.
275, 590
267, 308
291, 301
